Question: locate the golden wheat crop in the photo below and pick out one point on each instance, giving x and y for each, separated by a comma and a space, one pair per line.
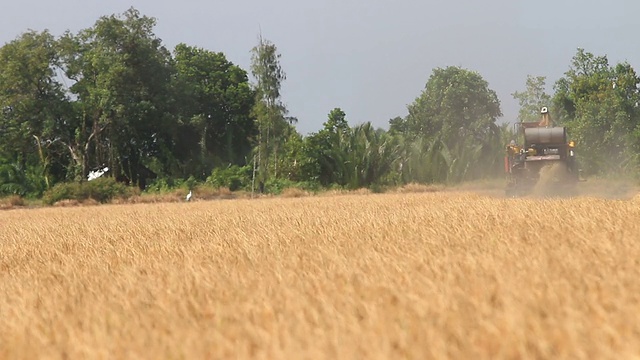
404, 275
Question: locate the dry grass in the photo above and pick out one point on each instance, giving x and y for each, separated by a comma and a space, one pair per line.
417, 188
341, 192
199, 193
72, 202
293, 193
11, 202
417, 275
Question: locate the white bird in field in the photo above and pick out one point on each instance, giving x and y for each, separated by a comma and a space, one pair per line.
189, 195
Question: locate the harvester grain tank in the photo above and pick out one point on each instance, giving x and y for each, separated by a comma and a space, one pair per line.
545, 161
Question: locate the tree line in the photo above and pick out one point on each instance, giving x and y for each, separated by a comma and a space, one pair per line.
114, 97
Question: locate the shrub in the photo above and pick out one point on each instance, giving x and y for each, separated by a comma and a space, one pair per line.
377, 188
61, 191
311, 186
233, 177
159, 185
277, 186
101, 190
105, 189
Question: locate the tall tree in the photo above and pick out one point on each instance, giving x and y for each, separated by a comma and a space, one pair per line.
324, 158
455, 117
215, 106
270, 111
532, 99
599, 104
337, 121
121, 72
34, 107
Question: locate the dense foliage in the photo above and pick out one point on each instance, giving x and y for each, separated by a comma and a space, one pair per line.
112, 96
599, 102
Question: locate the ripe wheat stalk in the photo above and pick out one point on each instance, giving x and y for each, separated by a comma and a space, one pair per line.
430, 275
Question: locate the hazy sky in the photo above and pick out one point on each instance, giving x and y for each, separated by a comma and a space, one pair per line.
371, 58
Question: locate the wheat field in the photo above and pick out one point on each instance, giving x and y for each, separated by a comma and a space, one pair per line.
385, 276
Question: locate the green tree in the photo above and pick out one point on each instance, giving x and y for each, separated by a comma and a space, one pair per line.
599, 104
398, 126
324, 160
294, 156
270, 111
33, 103
215, 106
454, 122
351, 157
121, 74
15, 179
336, 122
371, 156
532, 99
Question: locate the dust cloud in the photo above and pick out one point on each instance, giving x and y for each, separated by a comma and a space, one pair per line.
555, 181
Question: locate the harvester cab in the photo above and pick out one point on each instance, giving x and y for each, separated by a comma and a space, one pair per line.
545, 160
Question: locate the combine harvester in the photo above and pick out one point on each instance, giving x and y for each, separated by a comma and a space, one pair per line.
545, 164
